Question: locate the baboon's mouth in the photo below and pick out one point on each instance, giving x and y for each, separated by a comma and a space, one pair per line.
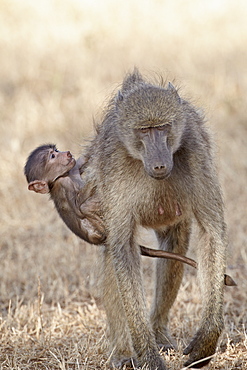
72, 159
160, 176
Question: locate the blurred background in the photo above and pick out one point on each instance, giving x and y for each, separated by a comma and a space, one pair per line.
59, 63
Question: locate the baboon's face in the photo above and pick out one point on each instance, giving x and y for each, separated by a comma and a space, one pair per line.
47, 163
57, 164
156, 155
151, 127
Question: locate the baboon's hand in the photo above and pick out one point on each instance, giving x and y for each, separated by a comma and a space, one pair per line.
202, 345
81, 163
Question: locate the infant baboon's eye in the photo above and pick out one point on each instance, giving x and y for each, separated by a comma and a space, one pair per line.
53, 155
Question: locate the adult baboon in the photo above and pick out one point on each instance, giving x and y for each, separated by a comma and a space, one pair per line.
153, 166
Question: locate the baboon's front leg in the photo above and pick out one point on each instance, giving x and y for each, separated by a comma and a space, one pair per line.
211, 267
125, 255
168, 279
121, 350
211, 272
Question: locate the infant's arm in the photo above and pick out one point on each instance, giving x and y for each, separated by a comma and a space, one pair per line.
80, 165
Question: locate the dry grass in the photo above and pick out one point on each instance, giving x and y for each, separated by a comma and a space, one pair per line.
59, 62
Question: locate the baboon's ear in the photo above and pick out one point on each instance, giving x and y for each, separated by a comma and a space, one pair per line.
39, 186
119, 97
171, 87
174, 91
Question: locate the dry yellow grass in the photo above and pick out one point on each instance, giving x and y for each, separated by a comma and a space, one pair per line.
59, 62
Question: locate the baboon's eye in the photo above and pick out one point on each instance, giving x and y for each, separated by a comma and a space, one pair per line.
161, 128
144, 130
164, 127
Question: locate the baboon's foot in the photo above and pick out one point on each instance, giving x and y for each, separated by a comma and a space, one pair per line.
126, 363
152, 361
164, 340
147, 362
202, 348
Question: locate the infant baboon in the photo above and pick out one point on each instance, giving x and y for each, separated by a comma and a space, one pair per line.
153, 166
50, 171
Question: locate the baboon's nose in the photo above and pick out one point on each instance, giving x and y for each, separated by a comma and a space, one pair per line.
159, 169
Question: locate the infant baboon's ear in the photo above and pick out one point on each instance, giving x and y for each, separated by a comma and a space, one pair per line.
39, 186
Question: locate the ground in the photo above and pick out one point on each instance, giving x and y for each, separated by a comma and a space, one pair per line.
60, 61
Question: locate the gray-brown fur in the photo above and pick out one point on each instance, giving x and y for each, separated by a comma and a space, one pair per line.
152, 155
49, 171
